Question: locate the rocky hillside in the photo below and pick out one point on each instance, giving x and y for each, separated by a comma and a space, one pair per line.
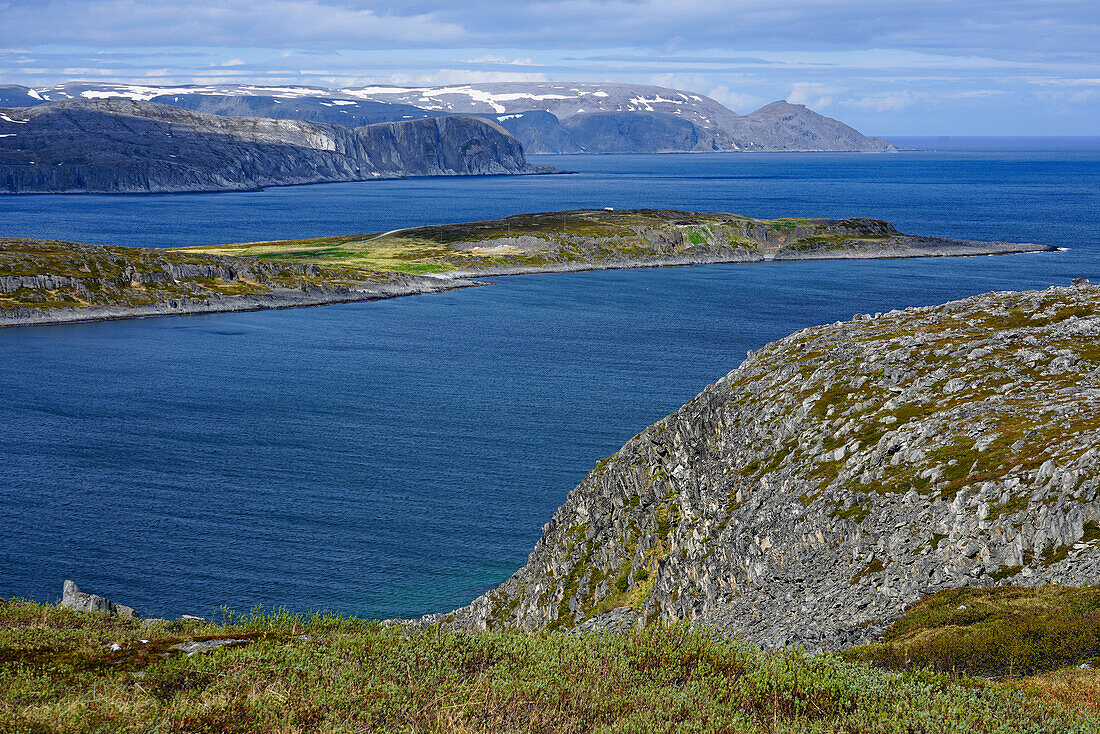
839, 475
48, 282
137, 147
547, 117
590, 239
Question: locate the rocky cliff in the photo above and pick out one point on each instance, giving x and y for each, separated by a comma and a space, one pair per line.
137, 147
547, 117
837, 476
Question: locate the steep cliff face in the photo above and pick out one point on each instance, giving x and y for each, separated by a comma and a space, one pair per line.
547, 117
124, 146
838, 475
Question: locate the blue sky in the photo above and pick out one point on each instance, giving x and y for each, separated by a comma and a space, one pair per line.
932, 67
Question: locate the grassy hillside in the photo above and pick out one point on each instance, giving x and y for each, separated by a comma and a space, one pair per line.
1000, 631
66, 671
569, 237
45, 274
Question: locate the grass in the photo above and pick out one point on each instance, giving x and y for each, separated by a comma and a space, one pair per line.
59, 673
556, 238
92, 275
1000, 631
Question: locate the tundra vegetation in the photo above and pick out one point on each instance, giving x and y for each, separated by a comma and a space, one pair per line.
49, 282
67, 671
606, 238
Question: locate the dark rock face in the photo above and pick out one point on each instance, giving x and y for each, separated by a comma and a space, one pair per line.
547, 117
635, 132
138, 147
784, 126
837, 476
348, 112
13, 95
539, 132
776, 127
73, 598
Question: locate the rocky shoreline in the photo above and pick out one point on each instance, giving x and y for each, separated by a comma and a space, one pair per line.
837, 476
321, 293
268, 301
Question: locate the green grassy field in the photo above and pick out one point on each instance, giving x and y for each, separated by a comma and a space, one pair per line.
62, 671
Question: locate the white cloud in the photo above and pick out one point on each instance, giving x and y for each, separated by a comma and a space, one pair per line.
814, 95
462, 76
887, 101
232, 62
241, 23
737, 101
493, 59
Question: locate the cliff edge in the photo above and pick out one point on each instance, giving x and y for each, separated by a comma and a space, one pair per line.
121, 146
837, 476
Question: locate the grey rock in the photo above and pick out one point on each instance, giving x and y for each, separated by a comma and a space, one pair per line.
73, 598
779, 505
196, 646
1080, 282
119, 146
547, 117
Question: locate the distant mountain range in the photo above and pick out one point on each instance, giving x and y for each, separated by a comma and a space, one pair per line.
125, 146
546, 117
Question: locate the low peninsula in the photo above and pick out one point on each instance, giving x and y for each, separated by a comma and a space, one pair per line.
43, 282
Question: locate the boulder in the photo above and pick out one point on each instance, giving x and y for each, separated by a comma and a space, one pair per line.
73, 598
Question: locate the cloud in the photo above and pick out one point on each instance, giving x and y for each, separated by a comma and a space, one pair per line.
895, 101
240, 23
814, 95
504, 60
737, 101
463, 76
1008, 29
900, 65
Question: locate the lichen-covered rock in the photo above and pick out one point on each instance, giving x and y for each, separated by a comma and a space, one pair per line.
837, 476
73, 598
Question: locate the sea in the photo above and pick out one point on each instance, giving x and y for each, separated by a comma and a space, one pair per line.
400, 457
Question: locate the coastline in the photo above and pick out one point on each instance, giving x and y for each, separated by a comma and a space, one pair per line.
278, 299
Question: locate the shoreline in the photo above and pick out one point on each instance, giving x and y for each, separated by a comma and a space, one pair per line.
427, 283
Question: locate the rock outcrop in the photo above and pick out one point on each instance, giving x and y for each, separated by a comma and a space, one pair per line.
121, 146
73, 598
837, 476
47, 282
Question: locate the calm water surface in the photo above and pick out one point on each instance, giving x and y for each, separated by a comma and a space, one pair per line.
395, 458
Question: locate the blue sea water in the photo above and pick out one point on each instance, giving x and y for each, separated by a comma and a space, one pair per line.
398, 457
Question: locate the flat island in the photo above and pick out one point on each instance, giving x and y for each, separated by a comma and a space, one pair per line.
56, 282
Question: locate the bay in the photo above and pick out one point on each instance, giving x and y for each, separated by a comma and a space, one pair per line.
395, 458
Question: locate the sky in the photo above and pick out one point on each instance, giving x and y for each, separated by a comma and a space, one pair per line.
904, 67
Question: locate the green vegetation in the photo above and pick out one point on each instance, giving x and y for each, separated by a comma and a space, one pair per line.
79, 276
554, 238
873, 567
59, 672
1001, 631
